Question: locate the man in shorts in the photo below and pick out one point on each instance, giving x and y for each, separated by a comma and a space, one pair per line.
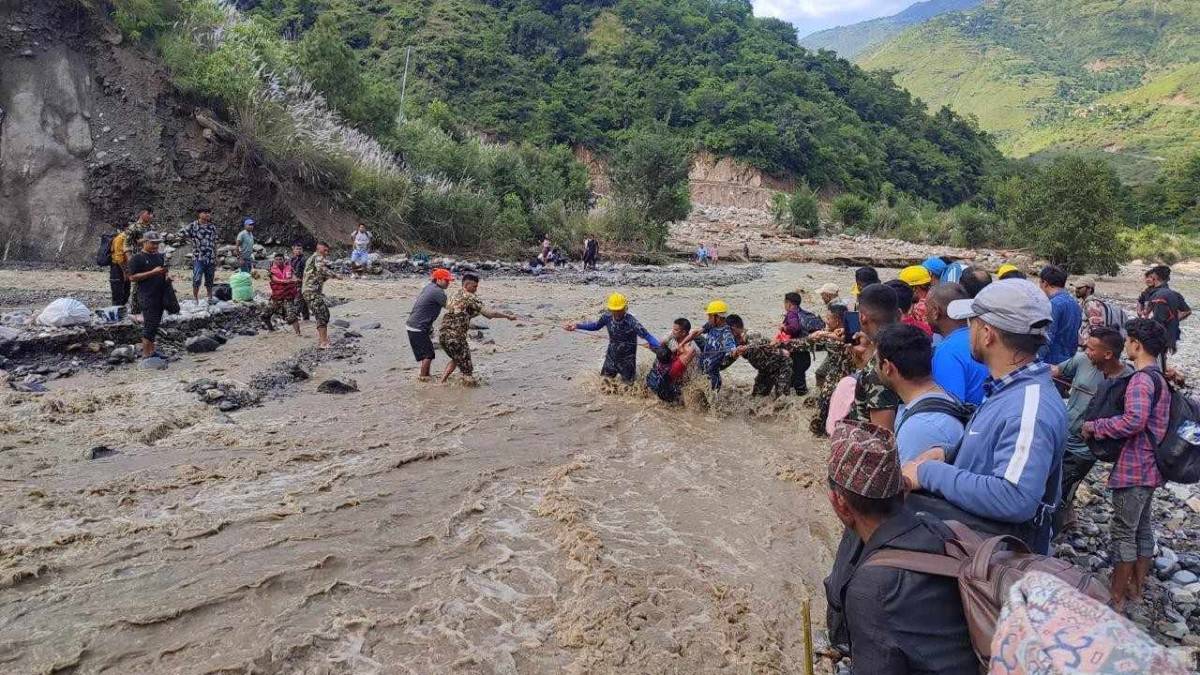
202, 234
148, 270
425, 311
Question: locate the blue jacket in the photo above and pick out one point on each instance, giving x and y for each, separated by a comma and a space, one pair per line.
1009, 464
956, 371
1063, 340
626, 331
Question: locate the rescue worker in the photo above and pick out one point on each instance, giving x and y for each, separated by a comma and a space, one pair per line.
718, 344
456, 322
623, 333
773, 364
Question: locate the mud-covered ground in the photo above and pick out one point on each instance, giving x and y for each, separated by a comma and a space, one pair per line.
535, 523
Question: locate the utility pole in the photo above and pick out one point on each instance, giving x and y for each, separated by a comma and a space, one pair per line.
404, 80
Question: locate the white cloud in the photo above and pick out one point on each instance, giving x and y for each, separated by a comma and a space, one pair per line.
810, 15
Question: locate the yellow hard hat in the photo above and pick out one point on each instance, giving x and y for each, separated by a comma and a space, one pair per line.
717, 307
617, 302
916, 275
1006, 268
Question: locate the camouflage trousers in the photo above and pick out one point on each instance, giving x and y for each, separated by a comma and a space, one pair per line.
777, 380
135, 305
289, 309
318, 308
458, 351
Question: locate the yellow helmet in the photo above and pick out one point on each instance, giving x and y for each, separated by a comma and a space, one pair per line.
1006, 268
617, 302
916, 275
717, 307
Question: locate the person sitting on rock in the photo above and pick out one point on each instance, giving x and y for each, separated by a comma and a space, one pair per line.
285, 293
623, 333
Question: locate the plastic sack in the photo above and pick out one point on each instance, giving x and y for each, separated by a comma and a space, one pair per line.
65, 312
241, 285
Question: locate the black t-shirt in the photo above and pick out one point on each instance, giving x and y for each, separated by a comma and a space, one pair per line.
150, 289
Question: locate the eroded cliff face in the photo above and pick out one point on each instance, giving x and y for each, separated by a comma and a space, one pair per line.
92, 131
45, 142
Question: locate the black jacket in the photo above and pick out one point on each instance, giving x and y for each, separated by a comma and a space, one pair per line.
896, 621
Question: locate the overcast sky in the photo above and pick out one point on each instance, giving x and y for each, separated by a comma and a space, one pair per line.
813, 15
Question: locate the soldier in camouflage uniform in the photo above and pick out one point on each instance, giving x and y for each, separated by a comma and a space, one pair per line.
316, 273
456, 323
837, 365
878, 307
133, 246
773, 364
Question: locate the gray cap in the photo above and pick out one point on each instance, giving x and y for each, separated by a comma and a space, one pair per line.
1012, 305
151, 235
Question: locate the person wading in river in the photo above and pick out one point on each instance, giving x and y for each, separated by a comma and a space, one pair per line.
623, 333
285, 294
425, 311
316, 273
456, 322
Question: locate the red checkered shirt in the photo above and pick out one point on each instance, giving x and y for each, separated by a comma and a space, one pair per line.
1135, 466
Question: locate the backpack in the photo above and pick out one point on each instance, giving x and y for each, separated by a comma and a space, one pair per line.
1178, 454
985, 569
1114, 316
956, 409
104, 251
810, 322
1109, 401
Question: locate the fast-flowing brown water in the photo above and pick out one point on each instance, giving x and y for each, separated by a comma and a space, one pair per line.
532, 524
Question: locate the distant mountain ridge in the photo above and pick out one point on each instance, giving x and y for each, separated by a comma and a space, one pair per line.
1121, 79
853, 40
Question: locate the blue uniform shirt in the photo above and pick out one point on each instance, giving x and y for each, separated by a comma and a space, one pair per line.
1063, 339
956, 371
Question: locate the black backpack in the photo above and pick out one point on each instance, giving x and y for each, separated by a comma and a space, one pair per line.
1109, 401
956, 409
810, 322
104, 252
1178, 454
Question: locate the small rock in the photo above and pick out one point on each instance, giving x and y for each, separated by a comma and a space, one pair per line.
1183, 577
340, 323
338, 386
352, 334
1182, 596
369, 325
201, 344
1194, 504
214, 394
227, 406
100, 451
153, 363
297, 371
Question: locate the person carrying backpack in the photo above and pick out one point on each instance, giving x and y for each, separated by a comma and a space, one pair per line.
889, 620
929, 417
797, 324
1135, 476
1165, 305
1097, 312
111, 254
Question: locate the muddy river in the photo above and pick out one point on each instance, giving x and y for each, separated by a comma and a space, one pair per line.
535, 523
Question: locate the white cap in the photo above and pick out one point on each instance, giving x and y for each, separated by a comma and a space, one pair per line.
1012, 305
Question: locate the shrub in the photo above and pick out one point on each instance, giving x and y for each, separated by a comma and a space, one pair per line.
779, 207
1151, 244
804, 213
972, 227
649, 174
849, 209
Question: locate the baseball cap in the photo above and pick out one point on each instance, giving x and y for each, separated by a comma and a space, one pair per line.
1090, 282
151, 235
863, 460
248, 221
441, 274
1012, 305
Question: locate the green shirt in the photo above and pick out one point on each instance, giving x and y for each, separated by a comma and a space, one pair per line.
315, 274
1085, 379
246, 241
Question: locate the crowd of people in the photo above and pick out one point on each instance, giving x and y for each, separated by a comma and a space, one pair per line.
140, 279
955, 399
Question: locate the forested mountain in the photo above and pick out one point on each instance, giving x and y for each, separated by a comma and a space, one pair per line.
583, 73
851, 41
1051, 76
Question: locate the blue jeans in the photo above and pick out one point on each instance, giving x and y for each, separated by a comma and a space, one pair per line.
247, 265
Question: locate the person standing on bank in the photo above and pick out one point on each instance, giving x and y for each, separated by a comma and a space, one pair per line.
1062, 341
118, 280
316, 273
148, 270
1135, 476
425, 311
202, 233
297, 262
245, 243
133, 246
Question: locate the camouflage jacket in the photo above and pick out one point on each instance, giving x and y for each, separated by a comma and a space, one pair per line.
459, 311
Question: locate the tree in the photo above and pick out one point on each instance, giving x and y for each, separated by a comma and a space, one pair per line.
649, 174
1070, 214
850, 209
328, 62
803, 210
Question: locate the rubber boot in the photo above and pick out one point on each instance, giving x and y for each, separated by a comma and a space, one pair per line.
1119, 585
1141, 569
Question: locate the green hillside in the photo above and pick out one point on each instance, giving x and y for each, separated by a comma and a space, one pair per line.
850, 41
583, 73
1118, 78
